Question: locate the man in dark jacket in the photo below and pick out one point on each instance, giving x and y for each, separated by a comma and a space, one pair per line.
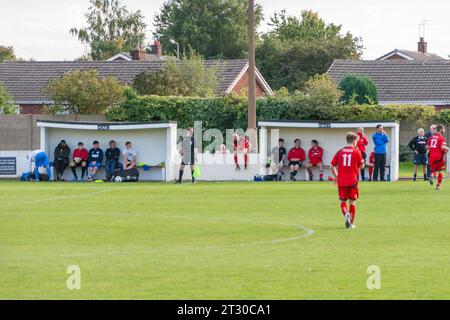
112, 156
62, 159
419, 145
188, 154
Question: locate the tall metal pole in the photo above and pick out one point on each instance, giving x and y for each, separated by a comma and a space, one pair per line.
252, 67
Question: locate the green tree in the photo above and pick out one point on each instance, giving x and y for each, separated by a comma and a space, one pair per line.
323, 90
111, 28
7, 53
298, 48
189, 77
358, 90
213, 28
6, 101
83, 92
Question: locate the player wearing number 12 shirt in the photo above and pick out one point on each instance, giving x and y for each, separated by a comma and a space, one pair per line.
437, 147
346, 165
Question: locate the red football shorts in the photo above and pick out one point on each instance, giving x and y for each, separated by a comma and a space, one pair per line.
348, 193
438, 165
315, 163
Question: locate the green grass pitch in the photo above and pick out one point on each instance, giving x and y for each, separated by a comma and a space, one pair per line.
222, 241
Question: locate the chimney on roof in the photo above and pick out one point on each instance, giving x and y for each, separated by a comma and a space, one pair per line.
422, 46
138, 54
157, 48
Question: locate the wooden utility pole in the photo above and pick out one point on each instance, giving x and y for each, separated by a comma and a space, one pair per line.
252, 66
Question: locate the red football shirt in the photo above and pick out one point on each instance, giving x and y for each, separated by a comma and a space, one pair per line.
315, 155
435, 144
80, 153
362, 142
296, 153
372, 158
348, 161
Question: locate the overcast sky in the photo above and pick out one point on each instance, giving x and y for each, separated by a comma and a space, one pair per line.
40, 29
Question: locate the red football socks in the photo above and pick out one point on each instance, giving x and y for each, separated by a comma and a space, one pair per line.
352, 213
440, 177
344, 208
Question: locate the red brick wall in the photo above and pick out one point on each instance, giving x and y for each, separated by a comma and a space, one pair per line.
395, 57
241, 87
440, 108
31, 108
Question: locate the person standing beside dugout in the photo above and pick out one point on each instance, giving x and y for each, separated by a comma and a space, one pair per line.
419, 145
428, 136
380, 140
362, 146
188, 154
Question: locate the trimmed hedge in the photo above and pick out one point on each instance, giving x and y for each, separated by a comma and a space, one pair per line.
231, 112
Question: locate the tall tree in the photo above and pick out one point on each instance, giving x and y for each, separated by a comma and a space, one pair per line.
83, 92
188, 77
213, 28
111, 28
298, 48
7, 53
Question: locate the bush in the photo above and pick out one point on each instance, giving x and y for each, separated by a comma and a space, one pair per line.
190, 77
83, 92
444, 116
231, 112
6, 101
358, 90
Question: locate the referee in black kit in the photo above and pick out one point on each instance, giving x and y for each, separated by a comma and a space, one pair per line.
187, 151
419, 145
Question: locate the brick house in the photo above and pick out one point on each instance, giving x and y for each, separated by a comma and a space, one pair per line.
404, 81
421, 53
156, 54
26, 80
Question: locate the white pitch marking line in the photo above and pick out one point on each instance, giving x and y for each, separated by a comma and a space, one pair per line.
308, 233
63, 197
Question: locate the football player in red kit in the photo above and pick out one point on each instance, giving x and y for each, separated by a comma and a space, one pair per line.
371, 164
346, 166
236, 140
437, 147
296, 156
246, 150
315, 155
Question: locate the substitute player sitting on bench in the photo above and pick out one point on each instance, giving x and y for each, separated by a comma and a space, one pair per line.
129, 157
315, 155
296, 156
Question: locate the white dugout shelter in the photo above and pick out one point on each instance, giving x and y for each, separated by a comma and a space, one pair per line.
154, 142
331, 137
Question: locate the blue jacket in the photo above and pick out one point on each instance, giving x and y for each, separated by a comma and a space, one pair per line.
380, 140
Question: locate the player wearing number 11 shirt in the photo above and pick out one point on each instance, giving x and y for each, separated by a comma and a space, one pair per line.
346, 165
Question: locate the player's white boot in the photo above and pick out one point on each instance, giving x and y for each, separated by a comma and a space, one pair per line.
352, 226
347, 220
